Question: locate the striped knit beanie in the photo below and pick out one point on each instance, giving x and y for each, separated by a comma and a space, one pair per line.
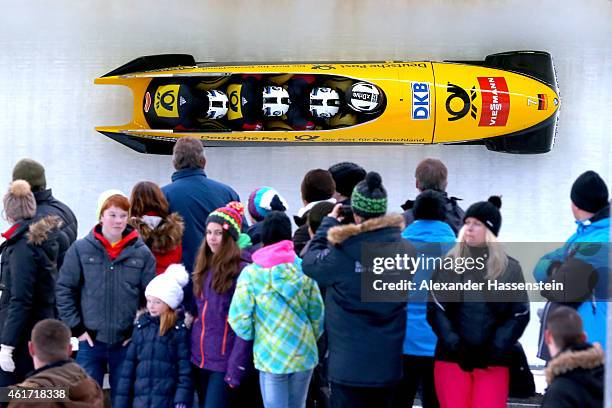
264, 200
369, 198
229, 217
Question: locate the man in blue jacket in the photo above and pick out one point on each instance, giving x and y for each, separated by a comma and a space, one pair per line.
364, 338
590, 244
193, 195
432, 238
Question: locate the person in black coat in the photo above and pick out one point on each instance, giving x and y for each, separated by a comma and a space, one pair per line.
27, 272
364, 338
575, 375
157, 371
476, 326
34, 173
318, 185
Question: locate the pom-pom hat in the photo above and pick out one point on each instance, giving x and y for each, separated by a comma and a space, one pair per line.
19, 202
369, 198
487, 212
264, 200
169, 285
229, 217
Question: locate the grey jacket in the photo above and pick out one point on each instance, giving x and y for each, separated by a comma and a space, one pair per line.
101, 296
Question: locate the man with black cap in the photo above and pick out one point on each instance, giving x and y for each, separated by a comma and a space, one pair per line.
364, 338
34, 173
589, 245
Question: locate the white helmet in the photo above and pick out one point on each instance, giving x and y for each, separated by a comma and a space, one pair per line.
364, 97
324, 102
275, 101
217, 104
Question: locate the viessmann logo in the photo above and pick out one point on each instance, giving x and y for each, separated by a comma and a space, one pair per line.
495, 106
495, 101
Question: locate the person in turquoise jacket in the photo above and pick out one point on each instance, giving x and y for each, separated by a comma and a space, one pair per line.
590, 244
433, 238
281, 309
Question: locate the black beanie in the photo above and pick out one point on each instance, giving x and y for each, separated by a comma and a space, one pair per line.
276, 227
31, 171
346, 175
369, 198
429, 205
589, 192
487, 212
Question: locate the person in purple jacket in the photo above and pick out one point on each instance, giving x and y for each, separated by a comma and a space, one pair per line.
220, 359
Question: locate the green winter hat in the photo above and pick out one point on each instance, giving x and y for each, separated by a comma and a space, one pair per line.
369, 198
31, 171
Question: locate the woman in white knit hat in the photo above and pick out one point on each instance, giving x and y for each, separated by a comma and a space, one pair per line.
157, 372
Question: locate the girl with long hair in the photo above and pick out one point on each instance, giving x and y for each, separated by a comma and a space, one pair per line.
160, 230
477, 327
218, 356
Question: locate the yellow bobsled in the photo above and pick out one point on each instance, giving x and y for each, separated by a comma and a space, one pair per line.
509, 102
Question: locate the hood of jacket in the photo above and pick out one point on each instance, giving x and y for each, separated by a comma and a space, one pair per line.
40, 230
339, 234
282, 266
584, 357
302, 211
600, 221
83, 390
275, 254
36, 231
162, 236
380, 230
429, 231
91, 237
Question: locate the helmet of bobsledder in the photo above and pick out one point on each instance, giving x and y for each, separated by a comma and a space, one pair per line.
364, 97
217, 104
275, 101
324, 102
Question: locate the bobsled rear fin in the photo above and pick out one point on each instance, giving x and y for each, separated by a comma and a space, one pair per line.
536, 64
152, 62
142, 145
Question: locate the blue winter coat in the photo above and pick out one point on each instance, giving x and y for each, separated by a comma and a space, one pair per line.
431, 239
365, 338
194, 196
156, 371
592, 231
